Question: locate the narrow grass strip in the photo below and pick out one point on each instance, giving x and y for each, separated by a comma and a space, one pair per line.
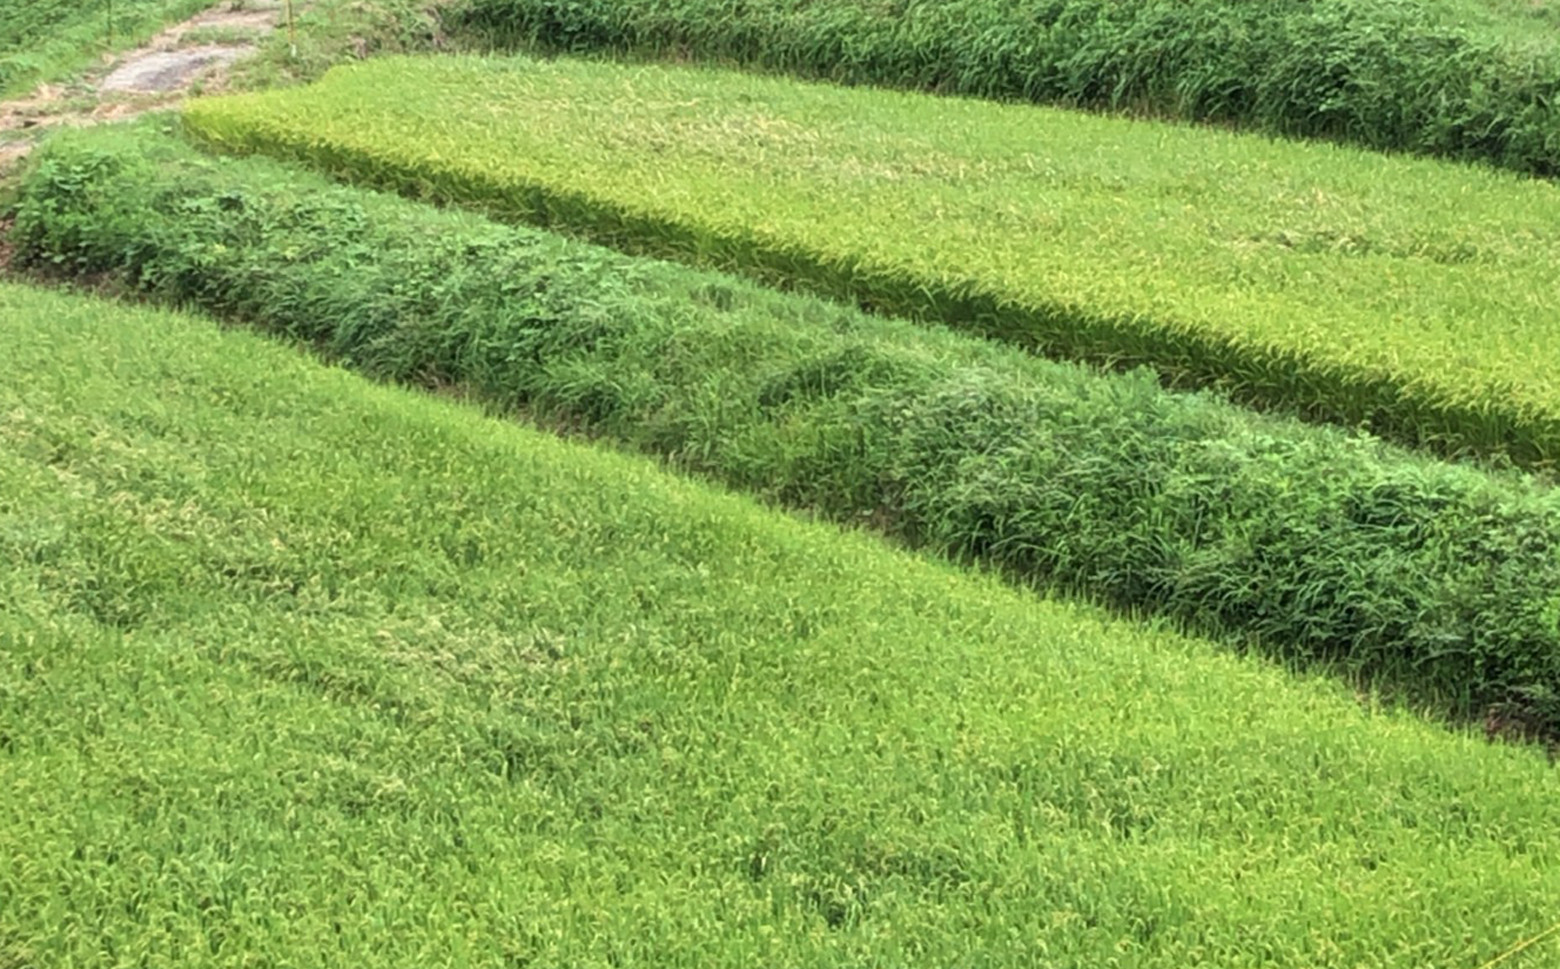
1313, 544
1465, 79
301, 670
1415, 297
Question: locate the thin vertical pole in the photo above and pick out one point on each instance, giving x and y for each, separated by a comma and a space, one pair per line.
292, 30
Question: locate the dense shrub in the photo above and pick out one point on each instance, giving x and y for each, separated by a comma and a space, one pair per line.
1310, 542
1390, 74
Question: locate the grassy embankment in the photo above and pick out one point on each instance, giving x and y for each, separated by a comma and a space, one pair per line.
1467, 79
298, 666
45, 40
329, 32
1439, 582
1414, 296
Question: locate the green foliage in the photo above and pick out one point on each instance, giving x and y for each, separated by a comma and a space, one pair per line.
328, 32
45, 39
1416, 297
1313, 544
1448, 79
295, 670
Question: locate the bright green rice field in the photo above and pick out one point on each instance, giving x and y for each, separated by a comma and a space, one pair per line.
1415, 296
296, 670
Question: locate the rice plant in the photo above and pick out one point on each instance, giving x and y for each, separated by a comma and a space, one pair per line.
1411, 296
300, 670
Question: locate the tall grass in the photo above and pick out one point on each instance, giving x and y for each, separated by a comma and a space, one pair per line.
1315, 545
1415, 297
1453, 79
299, 670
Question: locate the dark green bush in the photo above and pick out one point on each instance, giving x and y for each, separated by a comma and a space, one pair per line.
1308, 542
1387, 74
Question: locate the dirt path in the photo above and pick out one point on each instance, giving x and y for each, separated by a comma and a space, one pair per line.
156, 75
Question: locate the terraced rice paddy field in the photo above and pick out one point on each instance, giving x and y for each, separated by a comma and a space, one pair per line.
1469, 79
786, 520
1414, 295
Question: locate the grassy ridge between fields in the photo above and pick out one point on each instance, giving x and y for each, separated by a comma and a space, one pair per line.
303, 669
43, 39
1453, 79
1414, 296
1318, 545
